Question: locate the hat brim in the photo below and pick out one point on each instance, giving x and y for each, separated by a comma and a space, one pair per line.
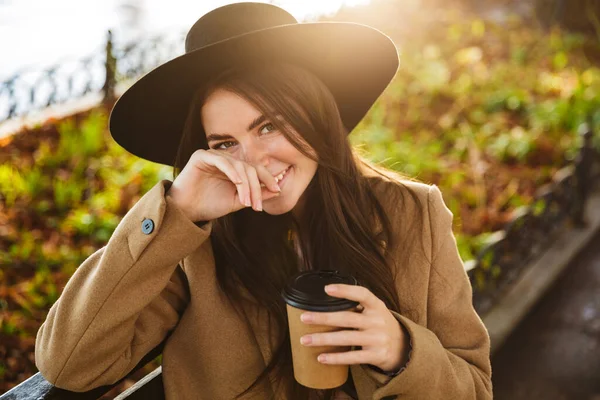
355, 61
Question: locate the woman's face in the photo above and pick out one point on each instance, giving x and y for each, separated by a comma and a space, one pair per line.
235, 127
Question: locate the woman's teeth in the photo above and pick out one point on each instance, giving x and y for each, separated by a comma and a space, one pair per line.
279, 177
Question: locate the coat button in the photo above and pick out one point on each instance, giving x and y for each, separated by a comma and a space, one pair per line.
147, 226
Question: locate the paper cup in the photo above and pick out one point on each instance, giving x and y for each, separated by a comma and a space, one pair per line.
306, 292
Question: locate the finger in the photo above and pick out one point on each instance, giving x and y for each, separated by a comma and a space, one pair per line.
267, 179
345, 319
242, 183
243, 188
268, 194
255, 190
340, 338
347, 358
222, 164
353, 292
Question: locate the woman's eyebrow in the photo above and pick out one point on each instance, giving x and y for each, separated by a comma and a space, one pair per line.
257, 121
216, 136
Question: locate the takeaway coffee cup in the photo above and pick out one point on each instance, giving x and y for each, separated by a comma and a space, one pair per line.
306, 292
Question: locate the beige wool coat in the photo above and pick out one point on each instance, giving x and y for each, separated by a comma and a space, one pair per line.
152, 278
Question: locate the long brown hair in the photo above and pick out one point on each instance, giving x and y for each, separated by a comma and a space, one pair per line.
340, 215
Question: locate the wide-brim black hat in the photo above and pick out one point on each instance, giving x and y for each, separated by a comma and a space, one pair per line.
356, 62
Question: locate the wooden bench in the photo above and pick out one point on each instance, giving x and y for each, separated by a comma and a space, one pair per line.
149, 387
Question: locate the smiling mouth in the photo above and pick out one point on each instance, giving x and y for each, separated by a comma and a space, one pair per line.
280, 177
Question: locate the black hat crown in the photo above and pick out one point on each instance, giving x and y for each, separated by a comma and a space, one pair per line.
234, 20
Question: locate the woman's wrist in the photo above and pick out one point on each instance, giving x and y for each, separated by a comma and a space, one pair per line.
182, 207
386, 373
404, 359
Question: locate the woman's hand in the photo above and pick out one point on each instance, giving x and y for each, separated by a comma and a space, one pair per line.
383, 341
213, 184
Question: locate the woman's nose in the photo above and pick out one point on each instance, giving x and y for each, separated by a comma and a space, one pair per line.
255, 153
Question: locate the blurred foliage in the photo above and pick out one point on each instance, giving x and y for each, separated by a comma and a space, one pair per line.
64, 188
487, 112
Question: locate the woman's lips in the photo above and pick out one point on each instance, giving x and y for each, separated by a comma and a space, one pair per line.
282, 175
285, 175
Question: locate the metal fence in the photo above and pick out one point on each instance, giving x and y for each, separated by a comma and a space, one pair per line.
31, 91
556, 207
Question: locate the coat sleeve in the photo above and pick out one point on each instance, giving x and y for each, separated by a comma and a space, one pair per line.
123, 300
450, 356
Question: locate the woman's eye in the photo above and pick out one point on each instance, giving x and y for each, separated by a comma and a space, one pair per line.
270, 126
224, 145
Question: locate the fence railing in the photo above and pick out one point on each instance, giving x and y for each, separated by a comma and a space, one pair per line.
36, 90
534, 227
31, 91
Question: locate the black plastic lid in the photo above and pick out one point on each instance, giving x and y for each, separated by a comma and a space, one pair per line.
306, 291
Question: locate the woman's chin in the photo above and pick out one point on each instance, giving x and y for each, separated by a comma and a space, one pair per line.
276, 206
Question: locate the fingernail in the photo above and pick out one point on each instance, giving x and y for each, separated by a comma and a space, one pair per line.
322, 358
305, 340
277, 188
306, 317
259, 206
247, 202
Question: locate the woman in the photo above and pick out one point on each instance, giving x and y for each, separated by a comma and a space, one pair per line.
266, 185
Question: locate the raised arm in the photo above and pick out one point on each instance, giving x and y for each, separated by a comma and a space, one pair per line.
123, 300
